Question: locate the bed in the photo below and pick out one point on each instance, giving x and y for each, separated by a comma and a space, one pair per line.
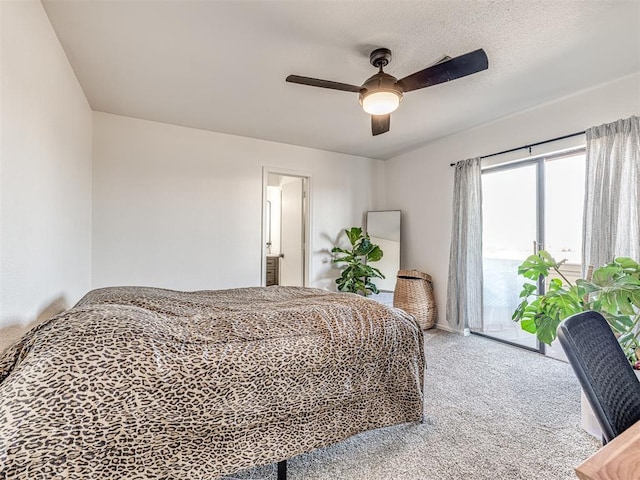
146, 383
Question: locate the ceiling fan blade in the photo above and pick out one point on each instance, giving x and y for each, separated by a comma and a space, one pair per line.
380, 123
315, 82
445, 71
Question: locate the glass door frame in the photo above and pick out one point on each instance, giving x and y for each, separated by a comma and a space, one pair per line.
538, 243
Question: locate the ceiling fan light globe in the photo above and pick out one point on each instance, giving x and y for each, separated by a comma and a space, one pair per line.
381, 103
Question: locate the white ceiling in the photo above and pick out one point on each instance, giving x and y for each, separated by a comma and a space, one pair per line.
221, 65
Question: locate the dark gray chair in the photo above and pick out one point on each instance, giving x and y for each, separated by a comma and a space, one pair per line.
604, 373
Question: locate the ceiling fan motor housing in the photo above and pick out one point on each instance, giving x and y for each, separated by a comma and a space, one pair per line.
380, 82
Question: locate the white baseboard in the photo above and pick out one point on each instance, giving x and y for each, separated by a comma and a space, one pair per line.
447, 328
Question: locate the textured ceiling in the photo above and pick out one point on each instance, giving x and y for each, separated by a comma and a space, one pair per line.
221, 65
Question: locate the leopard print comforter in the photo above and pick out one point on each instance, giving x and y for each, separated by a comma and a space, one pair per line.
145, 383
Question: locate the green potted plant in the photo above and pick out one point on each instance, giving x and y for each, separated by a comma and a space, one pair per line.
357, 273
613, 291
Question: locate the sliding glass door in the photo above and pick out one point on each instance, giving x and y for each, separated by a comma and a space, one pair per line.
510, 226
526, 206
563, 209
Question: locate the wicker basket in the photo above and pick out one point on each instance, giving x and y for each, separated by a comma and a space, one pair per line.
414, 295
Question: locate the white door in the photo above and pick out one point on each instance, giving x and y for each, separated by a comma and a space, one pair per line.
292, 240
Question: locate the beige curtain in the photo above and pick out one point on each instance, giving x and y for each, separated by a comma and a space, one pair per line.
464, 293
612, 193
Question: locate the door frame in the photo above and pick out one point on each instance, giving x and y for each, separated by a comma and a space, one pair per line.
306, 219
539, 161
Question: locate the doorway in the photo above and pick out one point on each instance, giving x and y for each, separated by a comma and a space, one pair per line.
528, 206
285, 228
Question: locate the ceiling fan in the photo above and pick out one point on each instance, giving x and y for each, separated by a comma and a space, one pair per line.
382, 93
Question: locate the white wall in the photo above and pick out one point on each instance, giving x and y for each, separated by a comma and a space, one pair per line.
420, 183
45, 172
181, 208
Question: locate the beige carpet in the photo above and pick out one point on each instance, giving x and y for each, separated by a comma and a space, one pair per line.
492, 412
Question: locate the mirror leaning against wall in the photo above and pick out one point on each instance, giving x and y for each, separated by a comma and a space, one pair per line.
384, 229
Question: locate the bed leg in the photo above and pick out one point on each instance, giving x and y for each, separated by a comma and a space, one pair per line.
282, 470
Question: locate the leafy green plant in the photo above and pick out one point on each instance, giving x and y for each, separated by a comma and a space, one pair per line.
357, 274
613, 291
